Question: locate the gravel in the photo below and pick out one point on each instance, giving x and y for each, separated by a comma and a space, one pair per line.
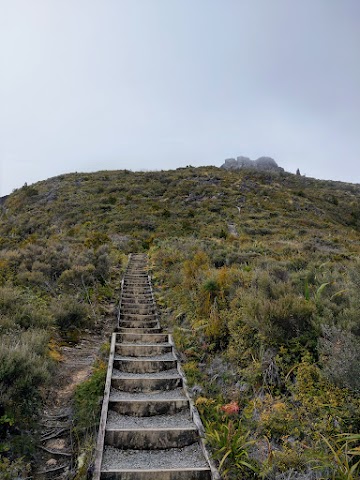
142, 295
176, 394
140, 329
138, 310
115, 421
165, 357
137, 286
144, 344
171, 373
187, 457
129, 300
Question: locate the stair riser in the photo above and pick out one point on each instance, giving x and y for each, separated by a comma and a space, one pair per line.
139, 304
136, 274
138, 366
157, 475
139, 273
150, 408
136, 310
136, 284
137, 317
142, 338
137, 290
137, 295
150, 439
146, 385
148, 304
137, 330
130, 291
142, 350
138, 323
132, 302
140, 301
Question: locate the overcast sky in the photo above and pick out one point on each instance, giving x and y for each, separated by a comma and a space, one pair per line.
89, 85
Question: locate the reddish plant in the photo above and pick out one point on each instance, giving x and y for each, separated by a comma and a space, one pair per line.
231, 408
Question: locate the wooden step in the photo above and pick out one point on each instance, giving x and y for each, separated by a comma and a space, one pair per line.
142, 350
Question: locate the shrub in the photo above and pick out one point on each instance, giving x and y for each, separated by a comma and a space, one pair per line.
34, 278
102, 265
32, 315
339, 352
95, 239
192, 372
69, 314
230, 446
23, 369
15, 469
22, 309
80, 276
9, 298
88, 396
278, 320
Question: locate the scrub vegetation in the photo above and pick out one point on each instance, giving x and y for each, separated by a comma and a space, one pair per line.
258, 276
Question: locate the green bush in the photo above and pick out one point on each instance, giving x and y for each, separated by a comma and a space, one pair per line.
102, 264
10, 297
24, 368
69, 314
339, 352
280, 319
22, 309
10, 470
79, 277
88, 398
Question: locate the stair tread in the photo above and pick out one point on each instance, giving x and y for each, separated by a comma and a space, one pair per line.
118, 395
143, 344
138, 338
164, 357
121, 329
181, 420
171, 373
189, 457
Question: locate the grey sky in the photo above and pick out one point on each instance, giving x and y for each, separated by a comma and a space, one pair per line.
87, 85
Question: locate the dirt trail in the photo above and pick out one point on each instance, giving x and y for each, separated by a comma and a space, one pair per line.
55, 457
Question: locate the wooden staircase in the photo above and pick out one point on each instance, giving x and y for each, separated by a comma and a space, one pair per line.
149, 428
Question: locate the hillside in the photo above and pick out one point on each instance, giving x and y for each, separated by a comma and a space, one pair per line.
258, 275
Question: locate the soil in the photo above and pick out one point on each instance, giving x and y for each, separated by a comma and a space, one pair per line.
56, 457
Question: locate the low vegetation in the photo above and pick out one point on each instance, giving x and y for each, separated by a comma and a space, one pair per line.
258, 276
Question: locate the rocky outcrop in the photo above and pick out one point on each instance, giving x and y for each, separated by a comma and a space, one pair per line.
263, 163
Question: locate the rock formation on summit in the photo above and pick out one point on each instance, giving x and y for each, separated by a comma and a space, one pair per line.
263, 163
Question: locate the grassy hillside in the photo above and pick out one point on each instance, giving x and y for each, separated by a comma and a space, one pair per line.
258, 275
